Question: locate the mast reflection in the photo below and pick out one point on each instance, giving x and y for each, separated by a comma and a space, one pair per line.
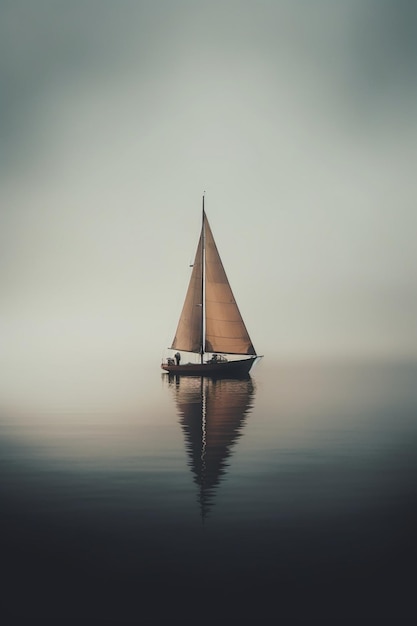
212, 415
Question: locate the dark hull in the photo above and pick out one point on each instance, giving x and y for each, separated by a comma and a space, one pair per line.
229, 369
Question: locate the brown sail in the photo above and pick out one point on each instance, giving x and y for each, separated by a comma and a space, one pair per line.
225, 328
190, 326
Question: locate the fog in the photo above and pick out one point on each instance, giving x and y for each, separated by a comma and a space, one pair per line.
297, 119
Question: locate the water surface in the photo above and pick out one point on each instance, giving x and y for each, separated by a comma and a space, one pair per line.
144, 497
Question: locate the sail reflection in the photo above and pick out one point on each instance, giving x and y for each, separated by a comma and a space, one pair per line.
212, 415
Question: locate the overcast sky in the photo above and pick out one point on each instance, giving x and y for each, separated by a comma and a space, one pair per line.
299, 120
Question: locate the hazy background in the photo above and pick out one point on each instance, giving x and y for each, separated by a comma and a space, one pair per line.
297, 118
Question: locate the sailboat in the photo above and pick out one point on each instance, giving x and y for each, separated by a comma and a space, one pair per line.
210, 324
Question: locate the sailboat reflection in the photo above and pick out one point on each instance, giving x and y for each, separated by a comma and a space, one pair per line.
212, 415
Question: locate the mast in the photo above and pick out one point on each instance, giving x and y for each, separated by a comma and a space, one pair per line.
203, 238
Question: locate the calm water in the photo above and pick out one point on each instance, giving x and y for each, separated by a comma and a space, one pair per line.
289, 494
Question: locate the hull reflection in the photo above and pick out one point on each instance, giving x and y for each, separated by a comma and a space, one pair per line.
212, 415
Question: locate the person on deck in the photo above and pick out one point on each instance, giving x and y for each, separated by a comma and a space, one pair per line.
177, 357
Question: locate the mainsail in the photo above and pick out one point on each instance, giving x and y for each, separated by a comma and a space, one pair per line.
225, 329
210, 320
